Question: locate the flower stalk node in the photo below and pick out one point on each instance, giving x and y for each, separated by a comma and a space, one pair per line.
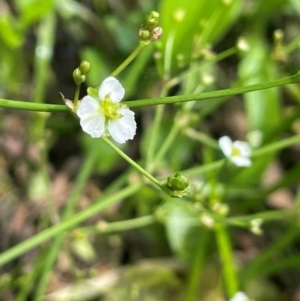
176, 185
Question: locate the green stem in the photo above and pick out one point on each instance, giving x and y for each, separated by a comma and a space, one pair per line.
130, 58
201, 137
85, 171
121, 225
76, 97
276, 146
71, 222
154, 133
131, 162
21, 105
274, 215
214, 94
293, 45
225, 250
196, 268
43, 55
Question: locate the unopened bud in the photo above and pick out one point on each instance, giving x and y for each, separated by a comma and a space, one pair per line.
77, 76
144, 34
243, 45
255, 226
85, 67
177, 182
151, 20
176, 186
156, 33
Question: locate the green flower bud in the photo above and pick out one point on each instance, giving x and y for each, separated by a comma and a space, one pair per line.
144, 34
177, 182
176, 186
151, 20
77, 76
83, 78
85, 67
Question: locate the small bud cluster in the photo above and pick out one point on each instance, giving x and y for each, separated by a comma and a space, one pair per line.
79, 74
177, 185
149, 31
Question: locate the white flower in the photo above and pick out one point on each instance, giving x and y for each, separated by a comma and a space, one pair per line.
255, 138
240, 296
106, 115
237, 152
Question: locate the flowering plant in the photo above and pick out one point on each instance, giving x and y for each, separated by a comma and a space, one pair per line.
238, 152
105, 115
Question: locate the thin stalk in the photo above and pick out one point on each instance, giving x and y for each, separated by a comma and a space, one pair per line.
266, 216
120, 226
133, 163
201, 137
154, 133
293, 45
214, 94
76, 97
21, 105
228, 266
69, 223
196, 268
85, 172
167, 142
130, 58
43, 55
276, 146
153, 136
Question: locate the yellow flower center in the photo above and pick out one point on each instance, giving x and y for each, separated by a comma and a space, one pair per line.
109, 109
235, 152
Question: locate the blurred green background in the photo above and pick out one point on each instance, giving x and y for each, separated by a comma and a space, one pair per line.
169, 251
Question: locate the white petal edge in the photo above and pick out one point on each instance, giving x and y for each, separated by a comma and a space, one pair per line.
87, 107
123, 129
243, 146
113, 87
94, 125
239, 296
225, 144
241, 161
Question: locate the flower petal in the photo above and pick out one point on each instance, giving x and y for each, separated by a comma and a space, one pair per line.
241, 161
91, 120
239, 296
87, 107
243, 147
112, 87
93, 125
123, 128
225, 144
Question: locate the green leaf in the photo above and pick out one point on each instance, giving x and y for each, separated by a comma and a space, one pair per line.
33, 10
178, 225
208, 19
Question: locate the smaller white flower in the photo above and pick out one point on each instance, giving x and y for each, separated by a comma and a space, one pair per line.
238, 152
106, 115
243, 45
240, 296
255, 138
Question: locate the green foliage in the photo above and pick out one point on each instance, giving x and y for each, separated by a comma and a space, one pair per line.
219, 228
